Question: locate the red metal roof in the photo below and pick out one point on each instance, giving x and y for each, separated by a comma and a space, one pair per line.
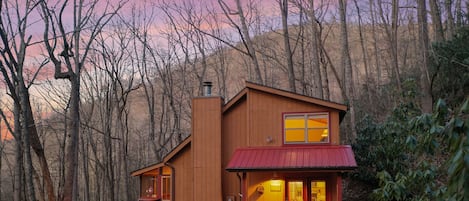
339, 157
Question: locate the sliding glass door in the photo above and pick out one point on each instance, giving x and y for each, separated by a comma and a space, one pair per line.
309, 189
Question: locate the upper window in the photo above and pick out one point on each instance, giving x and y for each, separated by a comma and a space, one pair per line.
306, 128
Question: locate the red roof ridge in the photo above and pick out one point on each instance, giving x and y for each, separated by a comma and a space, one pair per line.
298, 147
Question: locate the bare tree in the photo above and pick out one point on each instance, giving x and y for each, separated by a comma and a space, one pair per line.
112, 87
347, 63
361, 35
319, 72
391, 33
375, 45
435, 12
220, 64
75, 45
15, 42
450, 17
192, 42
243, 30
424, 42
163, 74
283, 4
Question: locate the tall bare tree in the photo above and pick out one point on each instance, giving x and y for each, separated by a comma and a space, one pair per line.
361, 35
450, 17
246, 38
424, 45
16, 38
375, 44
435, 12
75, 44
392, 38
319, 72
347, 63
283, 4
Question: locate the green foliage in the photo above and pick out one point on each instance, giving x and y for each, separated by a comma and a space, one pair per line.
425, 156
418, 184
457, 132
414, 156
382, 146
450, 71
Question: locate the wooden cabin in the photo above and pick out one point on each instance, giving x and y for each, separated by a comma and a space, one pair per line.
263, 144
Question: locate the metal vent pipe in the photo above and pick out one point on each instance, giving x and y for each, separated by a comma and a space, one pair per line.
207, 88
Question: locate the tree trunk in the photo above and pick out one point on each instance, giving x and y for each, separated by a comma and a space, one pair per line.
364, 54
391, 34
321, 89
459, 14
28, 164
347, 63
435, 12
375, 46
18, 181
248, 43
286, 42
426, 98
36, 144
71, 157
450, 22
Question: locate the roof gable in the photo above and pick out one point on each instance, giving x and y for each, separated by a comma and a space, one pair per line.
279, 92
167, 158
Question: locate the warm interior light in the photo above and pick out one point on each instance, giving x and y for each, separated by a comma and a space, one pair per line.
275, 182
324, 133
275, 185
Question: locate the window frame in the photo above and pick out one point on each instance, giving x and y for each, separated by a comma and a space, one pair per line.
164, 186
154, 186
305, 128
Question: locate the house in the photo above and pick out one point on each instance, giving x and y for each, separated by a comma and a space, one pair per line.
263, 144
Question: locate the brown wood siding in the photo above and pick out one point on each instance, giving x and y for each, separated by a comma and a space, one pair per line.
255, 118
206, 148
183, 174
234, 136
266, 117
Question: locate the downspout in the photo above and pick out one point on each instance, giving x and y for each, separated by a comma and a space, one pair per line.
240, 194
140, 186
173, 181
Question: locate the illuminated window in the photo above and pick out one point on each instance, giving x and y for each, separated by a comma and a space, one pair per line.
165, 188
318, 190
149, 186
306, 128
295, 190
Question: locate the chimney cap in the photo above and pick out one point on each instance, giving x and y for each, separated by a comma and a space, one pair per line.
207, 88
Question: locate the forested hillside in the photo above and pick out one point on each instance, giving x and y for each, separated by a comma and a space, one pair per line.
95, 89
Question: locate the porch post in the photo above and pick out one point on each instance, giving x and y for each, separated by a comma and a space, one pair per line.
244, 196
339, 187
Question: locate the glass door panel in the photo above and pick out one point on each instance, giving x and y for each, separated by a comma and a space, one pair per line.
318, 190
295, 191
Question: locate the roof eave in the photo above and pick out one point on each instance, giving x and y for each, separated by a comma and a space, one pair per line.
296, 96
298, 169
168, 157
